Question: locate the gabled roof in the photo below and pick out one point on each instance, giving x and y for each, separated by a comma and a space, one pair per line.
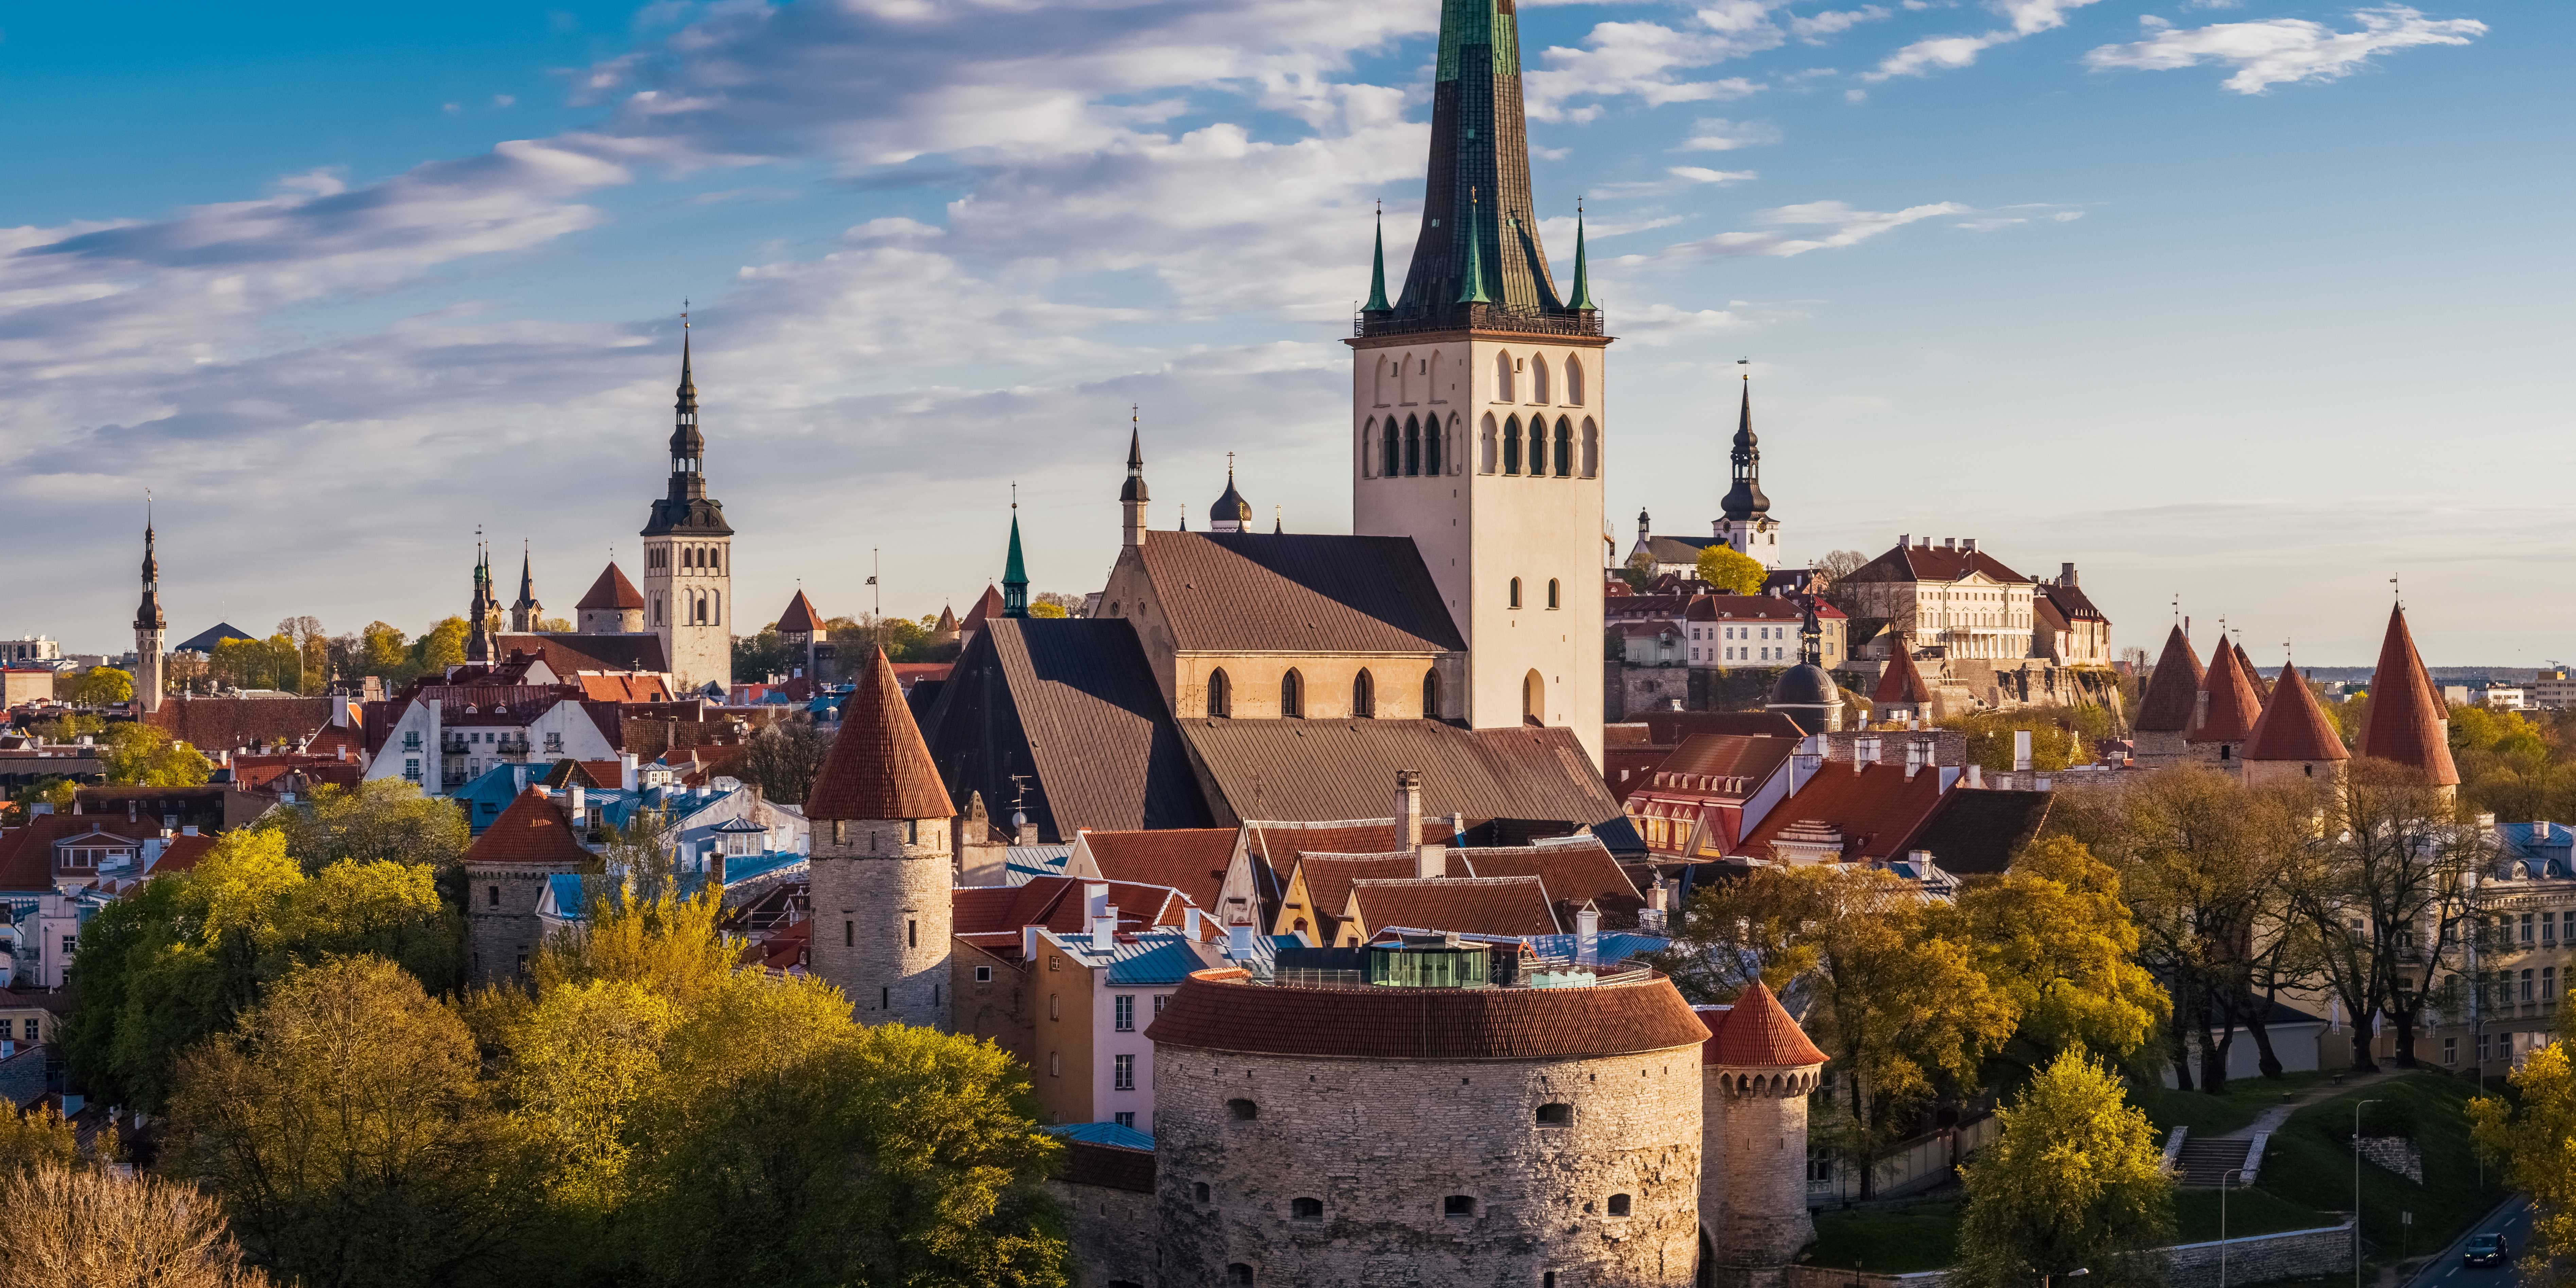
622, 686
1757, 608
1977, 833
2406, 716
1755, 1032
220, 724
1722, 756
611, 592
1057, 904
27, 853
569, 652
1574, 872
1902, 681
205, 641
2071, 602
1261, 592
532, 830
878, 767
2173, 689
1934, 563
1342, 769
1471, 905
800, 617
1329, 878
2293, 727
1189, 859
1674, 550
182, 853
2232, 705
1875, 809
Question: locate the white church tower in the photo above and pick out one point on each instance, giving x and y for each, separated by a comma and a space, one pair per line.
1478, 403
688, 556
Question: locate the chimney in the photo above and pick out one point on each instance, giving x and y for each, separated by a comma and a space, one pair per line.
2066, 574
1864, 752
1095, 900
1029, 943
1913, 758
1191, 922
2021, 751
1976, 774
626, 771
1904, 539
579, 798
1104, 930
1949, 543
716, 867
1968, 545
1430, 859
1587, 935
1238, 941
1408, 809
1659, 896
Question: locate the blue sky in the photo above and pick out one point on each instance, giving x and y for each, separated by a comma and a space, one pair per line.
2257, 303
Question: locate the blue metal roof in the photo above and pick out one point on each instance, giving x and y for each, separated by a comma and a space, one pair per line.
1615, 946
1021, 862
1104, 1134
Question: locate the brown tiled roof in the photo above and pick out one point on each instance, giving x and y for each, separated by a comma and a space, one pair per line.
2071, 603
1110, 1167
1259, 592
1341, 769
1670, 728
532, 830
2233, 705
1933, 563
1470, 905
1189, 859
182, 853
947, 621
611, 591
1281, 846
2293, 727
27, 853
566, 652
1977, 833
2404, 721
1574, 872
1221, 1010
2173, 689
1723, 756
1328, 883
1760, 608
1874, 808
800, 617
878, 767
330, 740
1756, 1032
2253, 675
987, 608
1057, 904
221, 724
1901, 681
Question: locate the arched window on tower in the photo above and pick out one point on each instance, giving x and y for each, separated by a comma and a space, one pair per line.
1431, 453
1394, 457
1404, 392
1516, 592
1503, 378
1538, 447
1431, 695
1368, 450
1574, 380
1383, 377
1538, 377
1412, 447
715, 609
1486, 458
1512, 446
1364, 696
1555, 594
1220, 697
1533, 699
1292, 695
1564, 448
1591, 449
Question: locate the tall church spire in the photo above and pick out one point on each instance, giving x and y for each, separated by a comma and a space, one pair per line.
1377, 271
1131, 495
1582, 301
1015, 572
686, 505
1745, 500
478, 636
148, 617
526, 612
148, 626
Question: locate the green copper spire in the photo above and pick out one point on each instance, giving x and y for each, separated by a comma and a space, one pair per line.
1582, 272
1471, 282
1015, 573
1377, 272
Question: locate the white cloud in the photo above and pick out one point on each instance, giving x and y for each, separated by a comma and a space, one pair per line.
1813, 28
1717, 134
1647, 61
1835, 225
2286, 51
1943, 53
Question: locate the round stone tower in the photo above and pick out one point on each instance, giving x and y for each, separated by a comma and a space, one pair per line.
1337, 1133
1756, 1071
882, 867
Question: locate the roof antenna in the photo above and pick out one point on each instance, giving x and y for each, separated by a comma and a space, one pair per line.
2399, 592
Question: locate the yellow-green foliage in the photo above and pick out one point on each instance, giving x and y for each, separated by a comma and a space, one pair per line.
2537, 1144
35, 1139
2055, 936
2076, 1179
1731, 570
140, 755
2060, 736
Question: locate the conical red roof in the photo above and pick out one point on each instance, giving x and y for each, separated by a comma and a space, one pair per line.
2406, 718
611, 592
988, 607
2233, 705
2253, 676
2293, 726
878, 768
532, 830
800, 617
1756, 1031
2173, 689
1902, 681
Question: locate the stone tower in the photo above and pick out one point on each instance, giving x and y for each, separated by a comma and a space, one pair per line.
1478, 402
882, 864
150, 661
1746, 525
1755, 1074
688, 555
611, 607
526, 612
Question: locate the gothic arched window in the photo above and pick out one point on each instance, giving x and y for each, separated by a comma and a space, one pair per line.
1368, 450
1486, 462
1591, 449
1512, 446
1431, 695
1431, 453
1220, 697
1538, 377
1412, 446
1564, 448
1574, 380
1292, 695
1364, 696
1503, 377
1394, 462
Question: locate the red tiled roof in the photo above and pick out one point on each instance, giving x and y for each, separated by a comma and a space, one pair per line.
1279, 844
1574, 873
878, 767
1752, 758
221, 724
1876, 809
1328, 884
2232, 706
988, 606
622, 686
182, 854
1221, 1010
2293, 727
331, 740
2405, 718
1901, 681
1755, 1032
1933, 563
800, 617
1189, 859
611, 591
1765, 608
532, 830
909, 674
2174, 688
569, 652
1057, 904
27, 853
1470, 905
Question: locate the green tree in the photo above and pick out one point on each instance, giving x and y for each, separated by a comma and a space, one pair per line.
2076, 1182
383, 651
2061, 737
2536, 1143
443, 646
1638, 572
763, 655
1731, 571
380, 820
101, 686
37, 1138
783, 760
345, 1123
146, 756
2054, 936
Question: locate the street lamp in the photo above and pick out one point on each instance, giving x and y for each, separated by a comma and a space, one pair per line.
2235, 1175
2356, 1189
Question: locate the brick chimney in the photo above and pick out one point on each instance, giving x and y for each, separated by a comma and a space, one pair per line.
1408, 809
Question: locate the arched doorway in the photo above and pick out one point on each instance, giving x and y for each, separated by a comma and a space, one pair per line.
1533, 699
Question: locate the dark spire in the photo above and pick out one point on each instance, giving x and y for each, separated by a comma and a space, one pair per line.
1745, 500
1230, 508
1377, 271
1015, 571
478, 637
527, 584
148, 617
686, 506
1582, 301
1811, 636
1134, 490
1463, 257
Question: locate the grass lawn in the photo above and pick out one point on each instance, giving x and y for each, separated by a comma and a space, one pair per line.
2309, 1162
2209, 1115
1889, 1240
2249, 1211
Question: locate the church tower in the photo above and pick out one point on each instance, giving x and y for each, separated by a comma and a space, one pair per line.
150, 661
882, 862
688, 556
1131, 495
1747, 526
478, 615
1478, 397
527, 612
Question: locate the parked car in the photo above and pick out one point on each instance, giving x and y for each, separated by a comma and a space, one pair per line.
2483, 1250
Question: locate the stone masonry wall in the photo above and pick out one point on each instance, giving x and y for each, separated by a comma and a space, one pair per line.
1762, 1222
1381, 1144
882, 918
501, 936
1112, 1234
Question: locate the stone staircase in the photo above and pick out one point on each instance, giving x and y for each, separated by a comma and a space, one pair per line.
2206, 1161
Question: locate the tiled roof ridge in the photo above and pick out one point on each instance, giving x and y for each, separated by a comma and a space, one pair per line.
532, 830
800, 617
2406, 718
611, 591
878, 768
1902, 681
1224, 1010
2172, 688
2233, 703
1756, 1031
2293, 726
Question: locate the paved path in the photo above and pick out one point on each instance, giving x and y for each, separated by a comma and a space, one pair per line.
2270, 1120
